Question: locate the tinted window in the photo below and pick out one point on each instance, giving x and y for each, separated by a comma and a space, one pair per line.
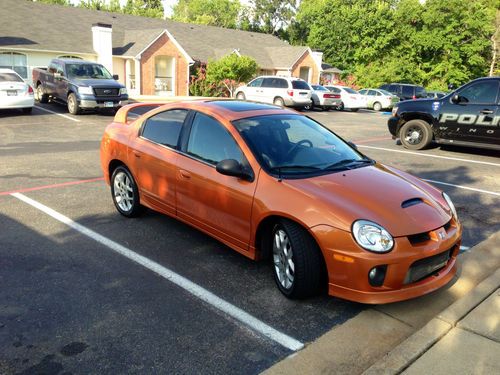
86, 71
211, 142
394, 89
164, 128
385, 92
10, 77
408, 91
350, 91
277, 83
256, 82
363, 92
420, 92
319, 88
372, 93
481, 92
300, 85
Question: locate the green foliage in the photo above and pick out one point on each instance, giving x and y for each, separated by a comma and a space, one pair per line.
272, 16
224, 13
58, 2
231, 70
145, 8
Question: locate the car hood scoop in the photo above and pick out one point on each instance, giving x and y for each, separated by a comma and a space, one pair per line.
411, 202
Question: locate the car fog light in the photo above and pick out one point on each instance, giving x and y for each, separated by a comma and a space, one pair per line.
376, 276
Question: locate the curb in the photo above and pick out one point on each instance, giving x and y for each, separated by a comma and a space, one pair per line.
401, 357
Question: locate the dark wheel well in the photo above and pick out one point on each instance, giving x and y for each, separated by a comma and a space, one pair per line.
415, 116
113, 165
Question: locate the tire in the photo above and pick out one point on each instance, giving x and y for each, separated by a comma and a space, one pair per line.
279, 101
27, 110
415, 135
309, 107
124, 192
354, 109
377, 106
240, 96
293, 247
340, 107
73, 106
40, 96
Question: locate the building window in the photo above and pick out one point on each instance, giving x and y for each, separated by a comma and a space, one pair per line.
15, 61
70, 57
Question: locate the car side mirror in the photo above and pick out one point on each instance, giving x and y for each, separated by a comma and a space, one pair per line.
352, 145
231, 167
456, 99
116, 77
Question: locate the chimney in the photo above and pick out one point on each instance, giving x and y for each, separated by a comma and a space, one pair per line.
318, 57
102, 42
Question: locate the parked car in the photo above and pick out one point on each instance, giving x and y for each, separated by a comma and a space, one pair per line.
282, 91
405, 91
273, 184
324, 98
379, 99
468, 116
80, 84
435, 94
350, 98
14, 92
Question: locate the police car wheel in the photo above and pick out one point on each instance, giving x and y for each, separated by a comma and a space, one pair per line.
415, 135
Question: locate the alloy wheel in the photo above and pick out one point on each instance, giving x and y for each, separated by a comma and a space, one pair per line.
284, 266
123, 191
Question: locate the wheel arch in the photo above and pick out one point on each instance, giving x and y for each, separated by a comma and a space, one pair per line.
416, 116
113, 164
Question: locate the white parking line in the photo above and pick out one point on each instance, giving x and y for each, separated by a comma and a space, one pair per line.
431, 156
59, 114
196, 290
464, 248
463, 187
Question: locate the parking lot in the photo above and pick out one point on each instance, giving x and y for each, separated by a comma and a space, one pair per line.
85, 290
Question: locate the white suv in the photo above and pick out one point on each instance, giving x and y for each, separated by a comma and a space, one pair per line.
283, 91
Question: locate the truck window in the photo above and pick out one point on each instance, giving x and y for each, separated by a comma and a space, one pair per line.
480, 93
86, 71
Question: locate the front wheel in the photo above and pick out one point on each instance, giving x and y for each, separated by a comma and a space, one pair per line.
279, 101
73, 106
415, 135
40, 96
377, 106
297, 260
124, 192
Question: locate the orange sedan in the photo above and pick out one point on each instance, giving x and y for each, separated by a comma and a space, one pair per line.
274, 184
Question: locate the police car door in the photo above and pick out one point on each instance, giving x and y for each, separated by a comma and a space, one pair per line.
471, 113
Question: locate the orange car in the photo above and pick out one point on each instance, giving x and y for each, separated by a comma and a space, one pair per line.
272, 183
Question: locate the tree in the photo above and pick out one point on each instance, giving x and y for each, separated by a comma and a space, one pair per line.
273, 16
223, 13
231, 70
146, 8
94, 4
58, 2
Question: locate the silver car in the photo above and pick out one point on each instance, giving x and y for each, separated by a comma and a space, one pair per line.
379, 99
14, 92
282, 91
324, 98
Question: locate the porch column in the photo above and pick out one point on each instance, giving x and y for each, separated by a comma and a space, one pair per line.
127, 74
137, 65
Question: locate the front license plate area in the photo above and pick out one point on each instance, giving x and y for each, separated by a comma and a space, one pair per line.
108, 104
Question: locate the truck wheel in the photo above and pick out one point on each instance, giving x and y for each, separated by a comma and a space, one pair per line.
40, 96
415, 134
73, 106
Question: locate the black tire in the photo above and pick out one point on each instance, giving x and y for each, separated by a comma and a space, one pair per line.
241, 96
119, 181
27, 110
73, 106
309, 107
279, 101
40, 96
377, 106
306, 257
415, 135
340, 107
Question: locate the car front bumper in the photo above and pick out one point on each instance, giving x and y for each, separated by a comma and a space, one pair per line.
92, 104
393, 126
349, 266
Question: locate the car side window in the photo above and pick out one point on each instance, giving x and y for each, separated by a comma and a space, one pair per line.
372, 93
164, 128
256, 82
363, 92
408, 91
268, 82
480, 93
211, 142
52, 68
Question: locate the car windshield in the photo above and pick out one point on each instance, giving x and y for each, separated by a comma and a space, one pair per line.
87, 71
319, 88
385, 92
350, 91
10, 77
294, 145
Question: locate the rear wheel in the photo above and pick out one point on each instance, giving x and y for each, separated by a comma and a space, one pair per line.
279, 101
240, 96
340, 107
415, 135
297, 260
377, 106
124, 192
73, 106
40, 96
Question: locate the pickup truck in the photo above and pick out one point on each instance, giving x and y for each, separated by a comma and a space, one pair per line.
80, 84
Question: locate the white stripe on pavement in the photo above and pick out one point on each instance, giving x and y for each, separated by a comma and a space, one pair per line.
463, 187
59, 114
196, 290
464, 248
432, 156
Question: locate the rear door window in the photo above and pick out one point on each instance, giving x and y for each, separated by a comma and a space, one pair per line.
300, 85
372, 93
408, 91
164, 128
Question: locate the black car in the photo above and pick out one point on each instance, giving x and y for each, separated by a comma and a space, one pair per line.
405, 91
468, 116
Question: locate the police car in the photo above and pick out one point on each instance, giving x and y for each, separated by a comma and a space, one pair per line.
468, 116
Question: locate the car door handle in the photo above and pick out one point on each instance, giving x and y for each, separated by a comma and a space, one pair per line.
184, 174
486, 111
137, 154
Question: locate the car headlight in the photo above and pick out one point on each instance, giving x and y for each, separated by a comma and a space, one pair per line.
372, 237
85, 90
451, 205
394, 111
123, 91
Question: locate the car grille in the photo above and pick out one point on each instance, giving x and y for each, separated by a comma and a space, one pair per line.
106, 92
425, 267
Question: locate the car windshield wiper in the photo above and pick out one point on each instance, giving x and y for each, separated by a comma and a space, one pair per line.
349, 164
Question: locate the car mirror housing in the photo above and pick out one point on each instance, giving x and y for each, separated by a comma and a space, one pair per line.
352, 145
231, 167
456, 99
116, 77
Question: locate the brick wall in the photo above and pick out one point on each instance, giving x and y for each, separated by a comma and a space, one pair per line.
163, 46
307, 60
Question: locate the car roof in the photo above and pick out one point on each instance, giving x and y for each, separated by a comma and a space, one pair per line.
6, 70
82, 62
284, 77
